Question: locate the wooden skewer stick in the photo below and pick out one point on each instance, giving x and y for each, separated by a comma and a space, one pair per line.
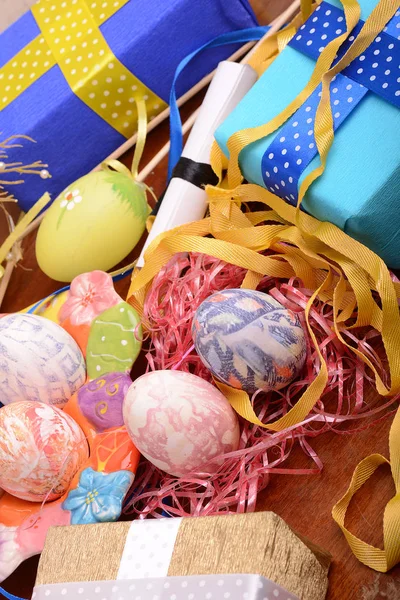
10, 261
145, 172
6, 279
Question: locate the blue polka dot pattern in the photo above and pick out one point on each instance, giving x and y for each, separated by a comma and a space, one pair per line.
376, 70
294, 147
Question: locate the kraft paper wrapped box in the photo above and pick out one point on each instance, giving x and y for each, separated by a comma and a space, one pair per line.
258, 544
148, 39
360, 188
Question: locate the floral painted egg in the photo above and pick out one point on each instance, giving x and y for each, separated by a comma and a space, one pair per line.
180, 422
93, 224
39, 361
249, 340
41, 449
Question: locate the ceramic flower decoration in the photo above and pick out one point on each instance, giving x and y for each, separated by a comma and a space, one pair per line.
90, 294
97, 490
98, 497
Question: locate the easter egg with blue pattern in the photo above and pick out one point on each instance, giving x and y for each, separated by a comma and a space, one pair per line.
248, 340
39, 361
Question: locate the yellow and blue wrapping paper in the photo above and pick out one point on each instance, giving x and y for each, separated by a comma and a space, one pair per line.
360, 187
149, 39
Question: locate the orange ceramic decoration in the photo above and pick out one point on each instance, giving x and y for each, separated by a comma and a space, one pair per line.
98, 488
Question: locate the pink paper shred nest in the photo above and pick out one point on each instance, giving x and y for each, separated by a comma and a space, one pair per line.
345, 406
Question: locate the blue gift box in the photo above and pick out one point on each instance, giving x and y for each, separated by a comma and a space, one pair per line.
150, 37
360, 188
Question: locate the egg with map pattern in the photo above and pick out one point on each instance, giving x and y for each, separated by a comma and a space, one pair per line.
249, 340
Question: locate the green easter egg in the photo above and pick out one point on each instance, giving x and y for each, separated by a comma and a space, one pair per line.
114, 341
92, 225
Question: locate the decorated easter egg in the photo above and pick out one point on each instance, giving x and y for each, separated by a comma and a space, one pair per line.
180, 422
93, 224
101, 400
249, 340
38, 361
41, 449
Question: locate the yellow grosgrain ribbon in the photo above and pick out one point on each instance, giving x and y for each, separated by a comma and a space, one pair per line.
22, 225
380, 560
320, 254
242, 138
272, 45
306, 9
71, 39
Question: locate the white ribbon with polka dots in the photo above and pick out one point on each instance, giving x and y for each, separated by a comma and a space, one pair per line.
148, 548
195, 587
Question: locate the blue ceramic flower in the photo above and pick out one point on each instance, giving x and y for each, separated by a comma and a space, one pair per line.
98, 497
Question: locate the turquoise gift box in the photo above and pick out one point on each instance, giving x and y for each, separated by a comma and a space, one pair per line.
360, 188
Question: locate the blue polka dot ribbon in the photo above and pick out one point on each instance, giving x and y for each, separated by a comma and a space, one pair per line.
376, 71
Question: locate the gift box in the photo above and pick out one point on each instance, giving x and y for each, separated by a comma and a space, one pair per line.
360, 187
69, 73
248, 544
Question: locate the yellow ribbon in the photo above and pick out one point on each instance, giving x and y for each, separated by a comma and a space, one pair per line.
306, 9
242, 138
380, 560
116, 165
272, 45
22, 225
71, 38
321, 261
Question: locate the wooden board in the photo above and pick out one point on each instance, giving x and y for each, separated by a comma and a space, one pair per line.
259, 543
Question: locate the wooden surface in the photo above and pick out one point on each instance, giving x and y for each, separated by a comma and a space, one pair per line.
304, 502
204, 546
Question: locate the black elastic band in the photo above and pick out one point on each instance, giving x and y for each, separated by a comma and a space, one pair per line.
199, 174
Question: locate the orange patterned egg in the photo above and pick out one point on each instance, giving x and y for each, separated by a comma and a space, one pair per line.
41, 449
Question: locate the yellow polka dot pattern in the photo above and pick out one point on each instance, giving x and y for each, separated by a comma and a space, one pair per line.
71, 38
24, 69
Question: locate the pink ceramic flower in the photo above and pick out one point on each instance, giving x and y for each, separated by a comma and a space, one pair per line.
90, 295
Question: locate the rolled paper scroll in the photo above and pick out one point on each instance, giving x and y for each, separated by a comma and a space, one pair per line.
185, 199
